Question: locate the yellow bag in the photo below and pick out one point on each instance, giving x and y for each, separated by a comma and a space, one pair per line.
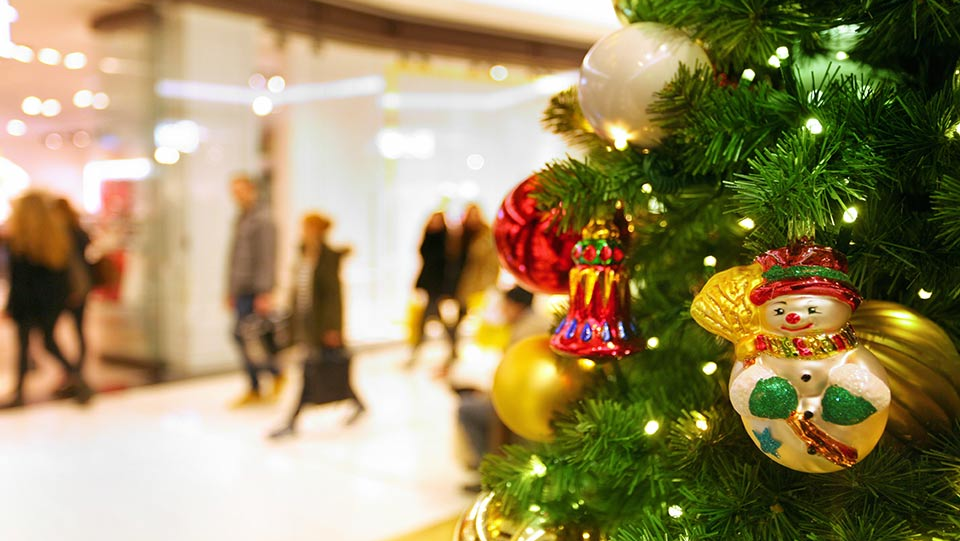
415, 310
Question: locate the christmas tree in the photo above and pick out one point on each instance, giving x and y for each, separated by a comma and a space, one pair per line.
777, 125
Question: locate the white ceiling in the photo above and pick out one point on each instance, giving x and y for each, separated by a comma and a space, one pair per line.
65, 26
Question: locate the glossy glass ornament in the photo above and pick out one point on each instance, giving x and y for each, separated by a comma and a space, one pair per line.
529, 244
621, 75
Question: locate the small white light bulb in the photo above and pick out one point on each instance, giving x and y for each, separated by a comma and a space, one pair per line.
924, 294
653, 342
747, 223
651, 427
675, 511
783, 52
850, 215
646, 188
841, 56
702, 424
814, 126
774, 61
748, 75
710, 368
709, 261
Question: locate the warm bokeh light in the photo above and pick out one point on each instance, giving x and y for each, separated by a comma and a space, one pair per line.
81, 139
499, 73
31, 105
75, 61
50, 57
53, 141
166, 155
101, 101
16, 127
83, 98
50, 107
23, 54
262, 106
257, 81
276, 84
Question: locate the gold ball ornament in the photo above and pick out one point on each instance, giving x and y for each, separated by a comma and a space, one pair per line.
532, 383
922, 364
485, 521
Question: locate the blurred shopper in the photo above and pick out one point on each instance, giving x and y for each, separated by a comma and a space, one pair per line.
40, 250
475, 413
80, 274
432, 279
317, 307
251, 279
473, 266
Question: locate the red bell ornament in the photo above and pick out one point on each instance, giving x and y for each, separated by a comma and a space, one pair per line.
528, 243
598, 324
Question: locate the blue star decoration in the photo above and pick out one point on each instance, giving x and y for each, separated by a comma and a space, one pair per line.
768, 444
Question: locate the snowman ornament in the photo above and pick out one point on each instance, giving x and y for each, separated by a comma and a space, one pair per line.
811, 396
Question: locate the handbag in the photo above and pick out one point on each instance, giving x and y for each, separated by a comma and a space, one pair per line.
326, 376
266, 336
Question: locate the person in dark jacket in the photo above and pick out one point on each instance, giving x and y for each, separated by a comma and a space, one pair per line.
252, 269
81, 271
40, 250
433, 278
317, 313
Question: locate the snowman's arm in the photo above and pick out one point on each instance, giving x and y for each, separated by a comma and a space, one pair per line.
853, 394
758, 391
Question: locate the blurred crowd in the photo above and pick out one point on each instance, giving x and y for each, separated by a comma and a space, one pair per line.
51, 268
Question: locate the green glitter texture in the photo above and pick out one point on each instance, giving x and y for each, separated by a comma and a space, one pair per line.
777, 272
773, 398
841, 407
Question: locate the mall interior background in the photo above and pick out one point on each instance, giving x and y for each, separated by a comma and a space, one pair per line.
175, 97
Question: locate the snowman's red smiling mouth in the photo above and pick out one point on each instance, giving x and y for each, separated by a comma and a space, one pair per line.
795, 329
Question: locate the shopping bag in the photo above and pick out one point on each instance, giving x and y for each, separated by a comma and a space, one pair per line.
326, 376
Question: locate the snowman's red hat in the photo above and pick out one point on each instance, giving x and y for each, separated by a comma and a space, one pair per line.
804, 269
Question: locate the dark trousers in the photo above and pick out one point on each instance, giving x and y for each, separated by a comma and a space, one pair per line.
478, 419
77, 313
23, 335
243, 306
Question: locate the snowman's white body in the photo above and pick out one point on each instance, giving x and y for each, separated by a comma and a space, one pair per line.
856, 370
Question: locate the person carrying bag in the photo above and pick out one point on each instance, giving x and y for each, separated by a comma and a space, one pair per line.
317, 317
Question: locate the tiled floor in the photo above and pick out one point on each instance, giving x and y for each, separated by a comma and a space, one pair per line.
172, 462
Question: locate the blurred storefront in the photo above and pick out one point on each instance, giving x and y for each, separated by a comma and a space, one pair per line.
374, 135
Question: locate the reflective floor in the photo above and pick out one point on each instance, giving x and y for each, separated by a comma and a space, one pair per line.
172, 461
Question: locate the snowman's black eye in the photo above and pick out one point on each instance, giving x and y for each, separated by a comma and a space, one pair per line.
812, 310
778, 311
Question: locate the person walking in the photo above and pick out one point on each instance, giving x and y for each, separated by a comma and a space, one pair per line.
317, 314
473, 268
252, 269
40, 250
432, 280
80, 273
